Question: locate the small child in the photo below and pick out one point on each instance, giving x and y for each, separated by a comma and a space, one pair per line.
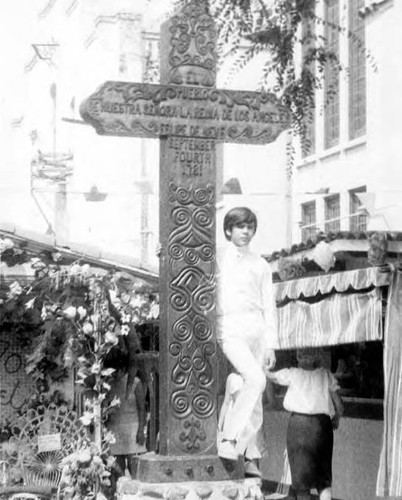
315, 405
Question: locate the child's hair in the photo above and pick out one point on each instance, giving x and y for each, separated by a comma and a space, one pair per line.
237, 216
311, 355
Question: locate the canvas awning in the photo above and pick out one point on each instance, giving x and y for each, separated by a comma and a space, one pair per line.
337, 319
358, 279
351, 313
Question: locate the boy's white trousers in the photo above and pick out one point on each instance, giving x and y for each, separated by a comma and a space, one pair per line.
242, 413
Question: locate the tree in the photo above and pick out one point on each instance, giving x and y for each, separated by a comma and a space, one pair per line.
274, 27
277, 30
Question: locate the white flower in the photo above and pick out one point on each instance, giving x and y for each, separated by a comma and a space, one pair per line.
15, 290
75, 269
111, 338
115, 402
153, 311
56, 256
37, 263
43, 313
96, 368
6, 244
82, 312
30, 303
125, 318
137, 301
84, 456
125, 330
85, 269
87, 328
86, 418
70, 312
109, 438
97, 460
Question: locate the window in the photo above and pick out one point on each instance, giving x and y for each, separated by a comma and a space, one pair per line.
357, 71
308, 44
332, 213
331, 83
308, 216
358, 219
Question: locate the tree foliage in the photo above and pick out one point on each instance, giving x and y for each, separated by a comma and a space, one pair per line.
277, 29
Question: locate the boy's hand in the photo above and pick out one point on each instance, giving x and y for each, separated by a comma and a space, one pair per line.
270, 359
335, 421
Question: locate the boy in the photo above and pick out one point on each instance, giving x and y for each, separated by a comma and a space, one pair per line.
247, 334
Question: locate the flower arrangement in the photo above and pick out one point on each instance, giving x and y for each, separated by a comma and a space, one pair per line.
290, 268
71, 317
85, 474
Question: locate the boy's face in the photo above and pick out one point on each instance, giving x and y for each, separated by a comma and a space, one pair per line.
242, 234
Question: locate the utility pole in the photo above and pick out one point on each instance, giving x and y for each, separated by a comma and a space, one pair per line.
52, 168
147, 39
61, 225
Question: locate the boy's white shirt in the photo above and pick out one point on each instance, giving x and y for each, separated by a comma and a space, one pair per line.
245, 288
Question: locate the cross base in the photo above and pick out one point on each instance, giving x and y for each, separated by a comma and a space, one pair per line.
240, 489
153, 468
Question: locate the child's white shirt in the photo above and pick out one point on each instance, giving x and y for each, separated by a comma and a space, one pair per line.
308, 390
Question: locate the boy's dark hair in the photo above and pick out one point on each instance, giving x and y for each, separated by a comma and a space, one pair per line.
236, 217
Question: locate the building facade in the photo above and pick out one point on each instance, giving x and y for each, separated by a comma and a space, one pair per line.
346, 178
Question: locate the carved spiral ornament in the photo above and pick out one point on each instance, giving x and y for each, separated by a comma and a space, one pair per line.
192, 299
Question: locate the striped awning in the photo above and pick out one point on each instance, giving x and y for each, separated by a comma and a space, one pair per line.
389, 479
357, 279
338, 319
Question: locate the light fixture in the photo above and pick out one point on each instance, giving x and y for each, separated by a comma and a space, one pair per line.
95, 195
232, 186
322, 190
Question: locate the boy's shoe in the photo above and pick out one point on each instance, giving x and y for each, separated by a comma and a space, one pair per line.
251, 469
227, 450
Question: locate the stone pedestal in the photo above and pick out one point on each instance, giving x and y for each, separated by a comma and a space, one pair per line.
240, 489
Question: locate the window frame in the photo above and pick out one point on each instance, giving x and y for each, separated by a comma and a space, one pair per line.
357, 108
308, 227
332, 222
332, 108
358, 220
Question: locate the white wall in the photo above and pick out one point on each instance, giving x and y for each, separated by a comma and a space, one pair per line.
373, 160
93, 46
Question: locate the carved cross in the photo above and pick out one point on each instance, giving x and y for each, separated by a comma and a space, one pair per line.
190, 117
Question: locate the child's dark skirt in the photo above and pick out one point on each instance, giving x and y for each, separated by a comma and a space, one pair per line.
309, 444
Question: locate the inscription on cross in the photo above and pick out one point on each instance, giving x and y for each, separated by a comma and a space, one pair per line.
190, 117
